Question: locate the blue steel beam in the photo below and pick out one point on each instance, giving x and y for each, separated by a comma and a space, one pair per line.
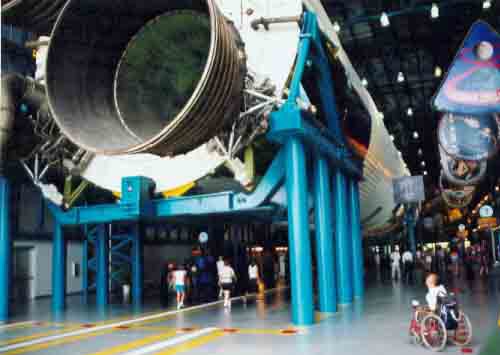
58, 269
357, 243
85, 270
324, 237
298, 233
5, 248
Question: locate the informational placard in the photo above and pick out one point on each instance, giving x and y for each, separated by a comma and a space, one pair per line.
409, 189
472, 84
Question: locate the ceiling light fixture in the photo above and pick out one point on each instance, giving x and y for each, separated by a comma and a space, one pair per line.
384, 19
438, 71
434, 11
336, 27
401, 77
420, 152
486, 4
415, 134
425, 172
409, 112
364, 82
423, 164
392, 137
497, 188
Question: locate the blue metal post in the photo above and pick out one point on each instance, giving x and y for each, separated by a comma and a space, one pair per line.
85, 269
342, 239
324, 236
298, 233
102, 285
5, 248
58, 269
137, 265
356, 237
410, 224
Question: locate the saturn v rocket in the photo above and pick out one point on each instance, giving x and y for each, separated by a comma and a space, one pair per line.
174, 90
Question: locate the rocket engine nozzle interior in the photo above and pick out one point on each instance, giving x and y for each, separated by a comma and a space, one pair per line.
157, 76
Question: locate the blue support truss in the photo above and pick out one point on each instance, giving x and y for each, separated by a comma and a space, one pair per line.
300, 138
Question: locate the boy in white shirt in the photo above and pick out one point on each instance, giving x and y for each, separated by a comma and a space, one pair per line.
434, 292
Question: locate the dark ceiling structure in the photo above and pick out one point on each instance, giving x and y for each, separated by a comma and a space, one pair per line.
403, 61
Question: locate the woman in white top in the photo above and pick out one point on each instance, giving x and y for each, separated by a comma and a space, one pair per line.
253, 276
179, 278
227, 276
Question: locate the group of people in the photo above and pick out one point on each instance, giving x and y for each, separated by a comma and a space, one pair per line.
456, 262
199, 281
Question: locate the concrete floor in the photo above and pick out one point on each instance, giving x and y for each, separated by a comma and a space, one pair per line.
379, 325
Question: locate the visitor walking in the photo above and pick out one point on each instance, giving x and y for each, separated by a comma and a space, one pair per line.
227, 277
395, 264
180, 285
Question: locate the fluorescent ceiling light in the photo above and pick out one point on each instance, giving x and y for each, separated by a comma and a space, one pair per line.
415, 134
486, 4
401, 77
410, 111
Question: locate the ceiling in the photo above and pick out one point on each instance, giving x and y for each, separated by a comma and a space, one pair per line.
413, 44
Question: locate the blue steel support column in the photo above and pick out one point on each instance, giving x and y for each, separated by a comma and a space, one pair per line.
356, 238
58, 269
5, 248
342, 239
102, 283
324, 236
137, 265
85, 268
298, 233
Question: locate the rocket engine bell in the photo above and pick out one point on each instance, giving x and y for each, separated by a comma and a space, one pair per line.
156, 76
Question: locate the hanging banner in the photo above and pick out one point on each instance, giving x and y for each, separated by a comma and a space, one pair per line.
472, 84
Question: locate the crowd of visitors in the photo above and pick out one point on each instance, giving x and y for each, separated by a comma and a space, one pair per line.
468, 263
201, 279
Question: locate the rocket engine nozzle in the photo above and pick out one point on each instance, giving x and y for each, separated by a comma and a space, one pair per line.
153, 76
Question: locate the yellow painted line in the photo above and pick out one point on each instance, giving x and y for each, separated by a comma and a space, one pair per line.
191, 344
259, 331
45, 345
38, 335
136, 344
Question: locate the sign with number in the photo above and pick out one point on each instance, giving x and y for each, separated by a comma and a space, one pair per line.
486, 211
409, 189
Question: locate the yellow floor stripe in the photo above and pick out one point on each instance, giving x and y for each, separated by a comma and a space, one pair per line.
38, 335
136, 344
49, 344
260, 331
197, 342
